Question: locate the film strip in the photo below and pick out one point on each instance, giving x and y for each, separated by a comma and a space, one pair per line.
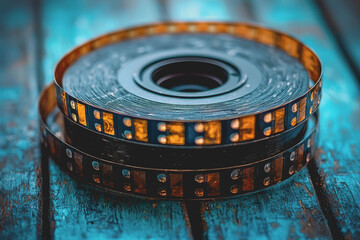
96, 145
174, 183
190, 133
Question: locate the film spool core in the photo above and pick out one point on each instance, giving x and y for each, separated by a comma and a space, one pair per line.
175, 76
190, 75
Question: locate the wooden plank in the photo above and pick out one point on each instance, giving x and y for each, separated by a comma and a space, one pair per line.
78, 212
81, 212
343, 18
216, 10
189, 10
20, 173
70, 23
338, 162
289, 210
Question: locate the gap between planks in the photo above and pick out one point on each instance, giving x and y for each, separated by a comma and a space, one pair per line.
44, 200
195, 221
318, 183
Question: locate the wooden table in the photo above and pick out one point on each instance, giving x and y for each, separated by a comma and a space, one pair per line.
38, 201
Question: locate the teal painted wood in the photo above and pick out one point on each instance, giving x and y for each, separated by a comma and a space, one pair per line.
78, 211
344, 18
190, 10
290, 210
338, 162
81, 212
67, 24
20, 173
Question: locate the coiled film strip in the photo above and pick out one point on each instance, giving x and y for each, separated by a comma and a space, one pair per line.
290, 127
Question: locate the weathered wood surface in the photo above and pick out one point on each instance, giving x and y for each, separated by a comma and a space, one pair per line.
78, 211
20, 172
321, 202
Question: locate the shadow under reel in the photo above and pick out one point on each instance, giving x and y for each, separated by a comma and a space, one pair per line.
184, 110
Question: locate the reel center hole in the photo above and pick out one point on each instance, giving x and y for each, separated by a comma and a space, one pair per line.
189, 75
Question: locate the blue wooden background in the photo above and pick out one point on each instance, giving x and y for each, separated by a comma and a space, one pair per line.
38, 201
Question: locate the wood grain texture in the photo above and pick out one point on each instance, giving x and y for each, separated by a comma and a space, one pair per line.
338, 161
79, 212
290, 210
20, 174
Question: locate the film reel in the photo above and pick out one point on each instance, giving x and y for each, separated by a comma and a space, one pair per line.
190, 110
